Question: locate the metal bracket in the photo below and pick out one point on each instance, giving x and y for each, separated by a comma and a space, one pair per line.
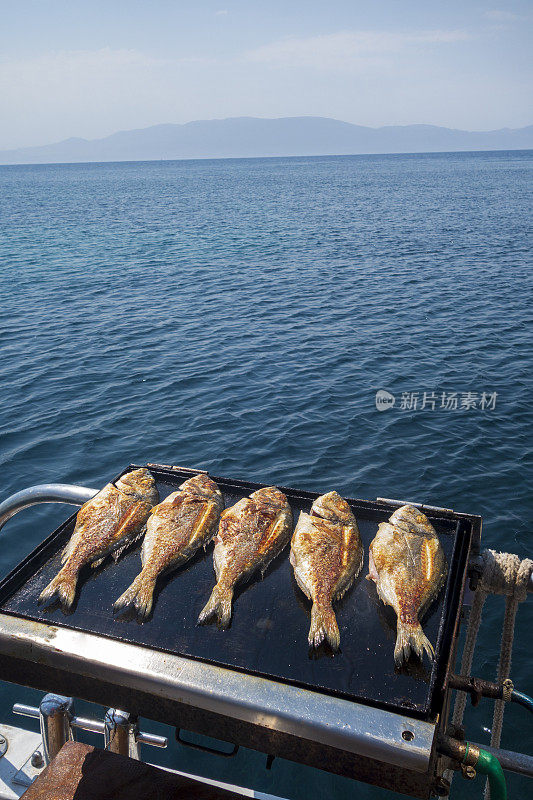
177, 468
352, 727
421, 506
205, 749
32, 767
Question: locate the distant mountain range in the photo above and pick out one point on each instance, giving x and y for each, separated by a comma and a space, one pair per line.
251, 137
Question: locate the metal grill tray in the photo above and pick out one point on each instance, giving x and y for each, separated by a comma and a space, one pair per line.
271, 617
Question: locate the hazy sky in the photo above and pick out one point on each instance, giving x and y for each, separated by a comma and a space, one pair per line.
70, 68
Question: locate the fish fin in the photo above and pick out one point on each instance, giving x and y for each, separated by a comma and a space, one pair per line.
97, 563
67, 552
220, 604
145, 551
139, 595
323, 626
411, 637
125, 543
372, 571
115, 555
63, 586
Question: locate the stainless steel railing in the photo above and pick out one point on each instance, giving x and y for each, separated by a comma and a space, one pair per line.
57, 719
44, 493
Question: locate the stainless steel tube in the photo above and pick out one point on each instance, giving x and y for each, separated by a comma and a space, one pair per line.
511, 761
55, 714
120, 733
44, 493
26, 711
92, 725
86, 724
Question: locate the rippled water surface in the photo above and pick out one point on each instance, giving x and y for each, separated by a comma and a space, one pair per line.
239, 316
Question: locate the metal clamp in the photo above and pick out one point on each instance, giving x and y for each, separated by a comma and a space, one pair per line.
461, 754
478, 688
56, 713
121, 733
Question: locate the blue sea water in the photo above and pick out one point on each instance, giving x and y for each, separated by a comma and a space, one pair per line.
240, 315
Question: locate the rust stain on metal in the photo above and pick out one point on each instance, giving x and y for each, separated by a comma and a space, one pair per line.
81, 772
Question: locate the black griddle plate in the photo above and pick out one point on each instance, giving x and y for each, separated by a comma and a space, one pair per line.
271, 617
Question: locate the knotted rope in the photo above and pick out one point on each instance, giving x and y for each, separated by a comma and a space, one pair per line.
504, 574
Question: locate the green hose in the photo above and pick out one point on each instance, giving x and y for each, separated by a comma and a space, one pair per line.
488, 765
522, 699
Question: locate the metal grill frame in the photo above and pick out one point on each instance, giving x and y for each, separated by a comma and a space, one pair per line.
338, 735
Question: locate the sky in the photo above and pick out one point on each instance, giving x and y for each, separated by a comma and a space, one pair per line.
92, 68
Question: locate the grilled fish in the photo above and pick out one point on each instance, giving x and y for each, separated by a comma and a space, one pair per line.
326, 555
409, 567
107, 523
251, 533
176, 528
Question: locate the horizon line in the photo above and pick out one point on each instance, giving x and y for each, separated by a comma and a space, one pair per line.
264, 158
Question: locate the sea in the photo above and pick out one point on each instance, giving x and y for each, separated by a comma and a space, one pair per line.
241, 316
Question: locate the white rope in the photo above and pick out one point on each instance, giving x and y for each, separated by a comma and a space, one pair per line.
504, 574
468, 652
507, 575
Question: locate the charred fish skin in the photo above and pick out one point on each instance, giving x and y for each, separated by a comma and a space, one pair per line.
250, 534
326, 556
185, 521
408, 565
105, 524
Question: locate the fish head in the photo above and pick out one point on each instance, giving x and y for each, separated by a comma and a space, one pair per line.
203, 486
332, 507
141, 483
384, 548
411, 519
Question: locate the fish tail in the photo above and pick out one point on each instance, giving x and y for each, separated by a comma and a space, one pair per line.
140, 596
63, 586
323, 626
411, 637
220, 604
